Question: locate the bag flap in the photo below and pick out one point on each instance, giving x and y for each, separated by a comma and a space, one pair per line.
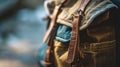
96, 9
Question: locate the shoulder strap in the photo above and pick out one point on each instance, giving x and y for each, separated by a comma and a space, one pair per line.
53, 21
51, 35
74, 42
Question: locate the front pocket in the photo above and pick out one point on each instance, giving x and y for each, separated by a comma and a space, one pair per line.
102, 46
100, 55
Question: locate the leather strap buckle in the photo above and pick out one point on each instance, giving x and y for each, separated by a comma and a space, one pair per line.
81, 13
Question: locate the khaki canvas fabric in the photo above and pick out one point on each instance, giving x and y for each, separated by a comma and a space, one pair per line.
97, 33
93, 10
93, 55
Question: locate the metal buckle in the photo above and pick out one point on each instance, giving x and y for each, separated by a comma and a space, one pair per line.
80, 13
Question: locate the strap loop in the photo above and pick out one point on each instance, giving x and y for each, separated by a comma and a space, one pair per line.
75, 39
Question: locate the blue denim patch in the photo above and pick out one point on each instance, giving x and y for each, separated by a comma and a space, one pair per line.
63, 33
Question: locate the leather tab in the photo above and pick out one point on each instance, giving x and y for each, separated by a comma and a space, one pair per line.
74, 39
74, 42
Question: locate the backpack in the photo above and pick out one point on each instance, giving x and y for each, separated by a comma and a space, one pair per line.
97, 43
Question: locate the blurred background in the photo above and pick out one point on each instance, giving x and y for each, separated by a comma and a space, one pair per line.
21, 31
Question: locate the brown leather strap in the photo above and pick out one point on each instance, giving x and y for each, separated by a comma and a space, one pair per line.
74, 42
74, 39
53, 28
53, 21
51, 31
49, 51
83, 5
